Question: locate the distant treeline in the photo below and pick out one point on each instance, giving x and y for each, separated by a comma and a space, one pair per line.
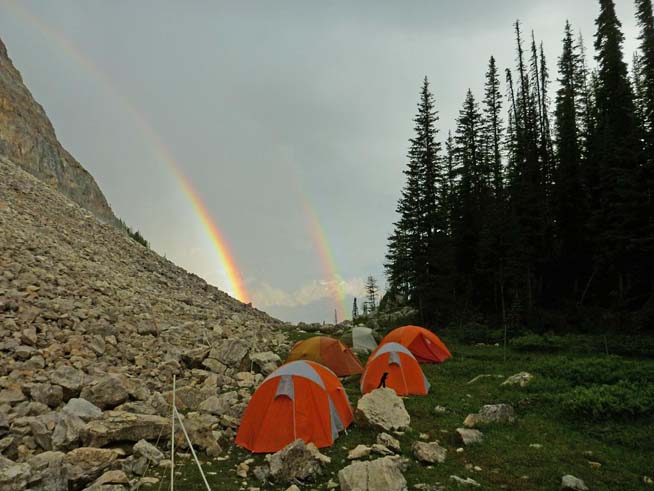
538, 209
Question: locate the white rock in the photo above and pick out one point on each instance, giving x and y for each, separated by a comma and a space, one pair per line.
383, 474
384, 409
522, 379
574, 483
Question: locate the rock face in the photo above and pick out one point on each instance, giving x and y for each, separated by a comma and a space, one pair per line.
28, 138
382, 408
80, 360
383, 474
93, 326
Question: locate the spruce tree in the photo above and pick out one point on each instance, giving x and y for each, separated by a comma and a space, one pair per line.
493, 229
371, 293
355, 310
616, 151
570, 207
645, 69
472, 190
644, 74
413, 258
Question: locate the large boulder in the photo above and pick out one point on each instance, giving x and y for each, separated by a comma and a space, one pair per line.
265, 362
188, 398
491, 413
193, 358
106, 392
118, 426
83, 409
13, 477
222, 404
383, 474
429, 453
382, 408
199, 428
152, 454
115, 480
297, 460
69, 378
85, 464
571, 482
469, 436
48, 394
388, 441
232, 353
47, 472
521, 379
68, 431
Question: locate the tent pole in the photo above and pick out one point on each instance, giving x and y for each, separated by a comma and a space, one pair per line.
172, 442
188, 440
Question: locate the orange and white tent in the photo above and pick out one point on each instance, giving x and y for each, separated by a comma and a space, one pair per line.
424, 344
403, 372
329, 352
301, 399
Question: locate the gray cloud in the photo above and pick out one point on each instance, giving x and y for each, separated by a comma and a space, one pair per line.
258, 99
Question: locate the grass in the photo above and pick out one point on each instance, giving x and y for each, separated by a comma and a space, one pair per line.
623, 446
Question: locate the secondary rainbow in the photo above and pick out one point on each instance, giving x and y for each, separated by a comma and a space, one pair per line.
328, 265
225, 258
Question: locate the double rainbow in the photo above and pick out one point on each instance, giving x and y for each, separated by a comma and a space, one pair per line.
234, 278
235, 282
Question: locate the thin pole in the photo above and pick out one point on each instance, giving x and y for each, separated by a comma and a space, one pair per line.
188, 440
172, 442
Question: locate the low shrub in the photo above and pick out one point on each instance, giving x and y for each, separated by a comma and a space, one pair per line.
621, 400
474, 332
595, 370
538, 343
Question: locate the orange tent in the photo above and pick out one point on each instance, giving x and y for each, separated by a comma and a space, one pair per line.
424, 344
301, 399
404, 374
329, 352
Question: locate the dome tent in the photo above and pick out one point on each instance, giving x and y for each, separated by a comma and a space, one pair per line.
363, 340
424, 344
400, 370
329, 352
301, 399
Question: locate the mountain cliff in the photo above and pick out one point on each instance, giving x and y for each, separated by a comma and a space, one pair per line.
28, 139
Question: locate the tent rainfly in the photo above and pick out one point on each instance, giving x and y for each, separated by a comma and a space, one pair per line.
301, 399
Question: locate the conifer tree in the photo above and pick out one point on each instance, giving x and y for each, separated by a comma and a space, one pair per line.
472, 189
616, 151
355, 309
413, 257
371, 293
644, 72
570, 208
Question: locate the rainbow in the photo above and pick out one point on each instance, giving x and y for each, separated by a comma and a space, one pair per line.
235, 282
328, 265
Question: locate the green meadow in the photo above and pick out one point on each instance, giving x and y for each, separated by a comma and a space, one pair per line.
585, 413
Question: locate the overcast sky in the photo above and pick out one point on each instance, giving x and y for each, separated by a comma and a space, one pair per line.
265, 105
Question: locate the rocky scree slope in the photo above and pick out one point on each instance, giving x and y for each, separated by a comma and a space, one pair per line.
93, 326
28, 139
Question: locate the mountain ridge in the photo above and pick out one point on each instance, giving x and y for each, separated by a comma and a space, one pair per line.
28, 138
